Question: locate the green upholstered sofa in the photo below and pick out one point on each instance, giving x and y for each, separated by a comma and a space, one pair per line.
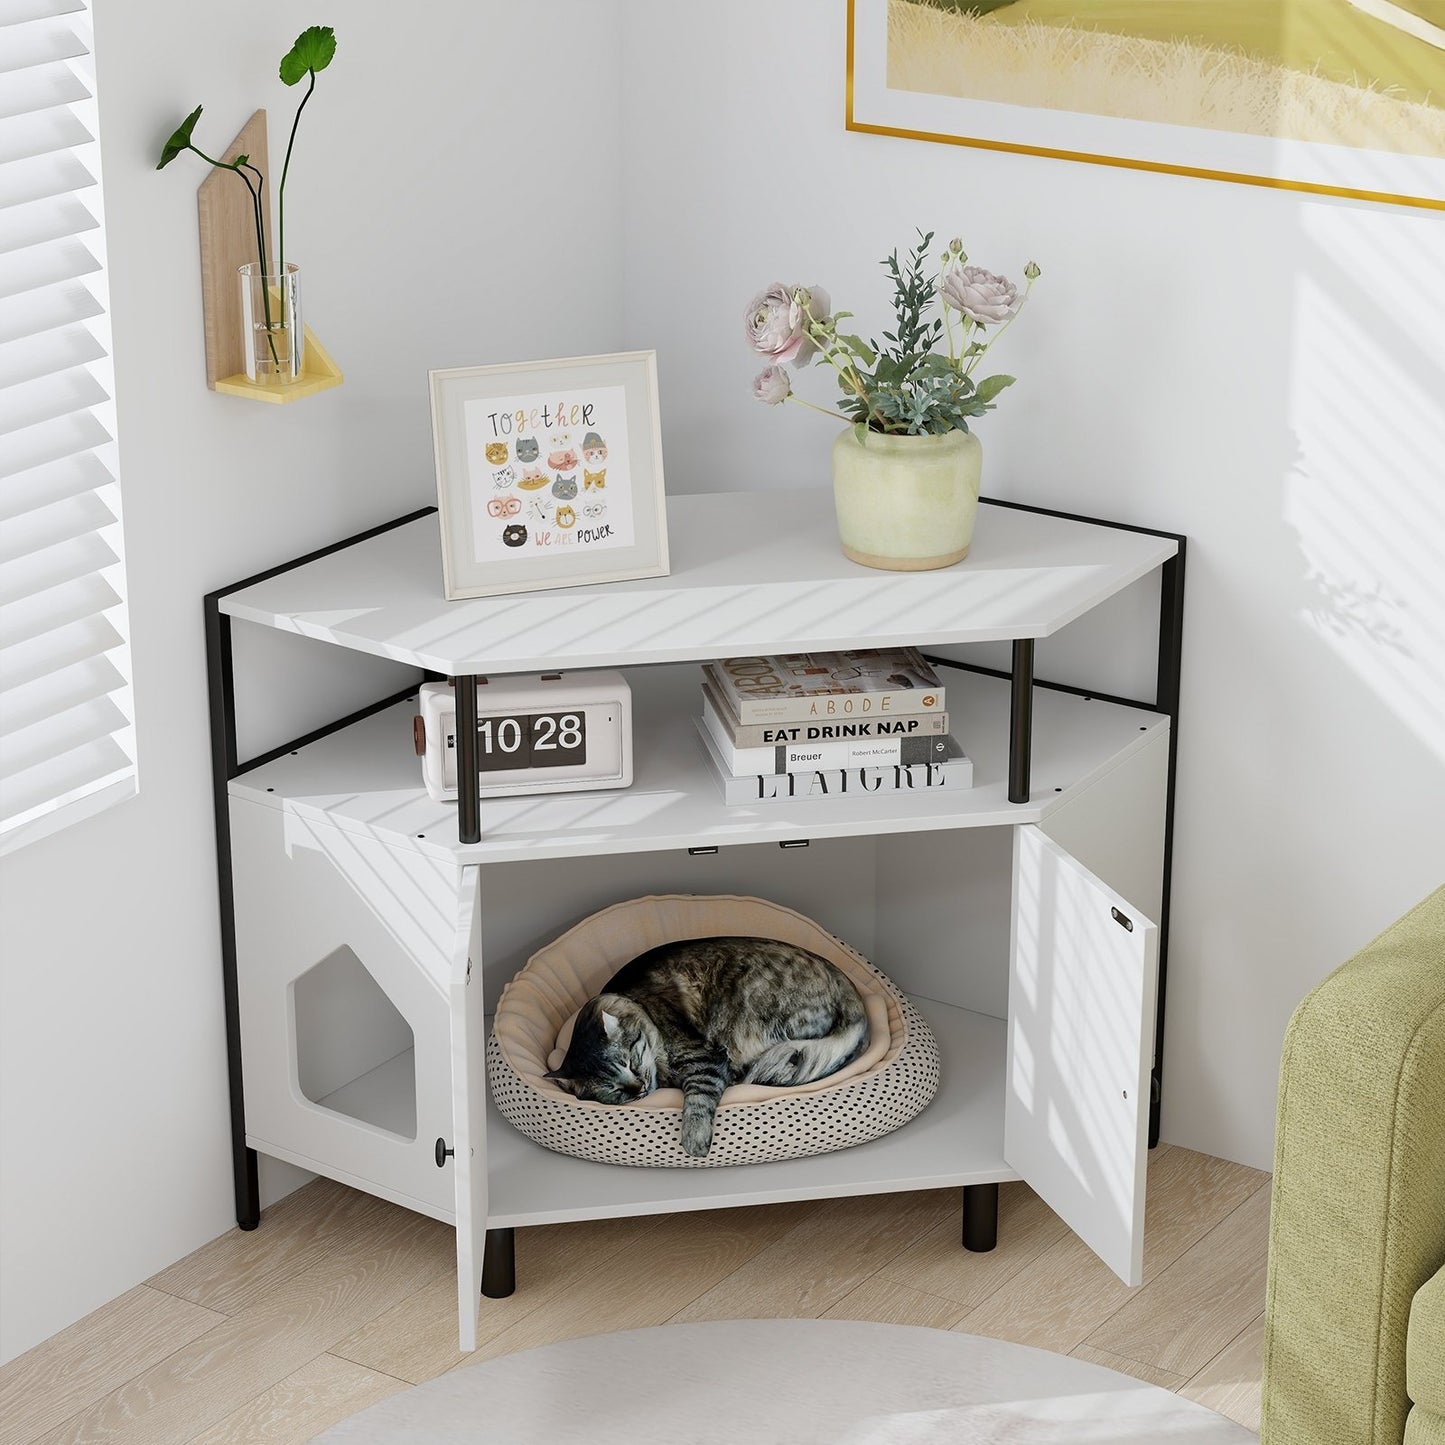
1354, 1348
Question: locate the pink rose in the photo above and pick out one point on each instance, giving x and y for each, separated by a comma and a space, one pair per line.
777, 324
772, 385
988, 299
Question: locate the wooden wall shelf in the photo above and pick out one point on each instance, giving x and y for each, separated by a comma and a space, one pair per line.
228, 241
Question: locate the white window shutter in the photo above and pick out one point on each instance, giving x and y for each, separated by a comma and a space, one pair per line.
66, 727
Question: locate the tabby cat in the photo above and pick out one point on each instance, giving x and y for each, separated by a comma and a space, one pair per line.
703, 1013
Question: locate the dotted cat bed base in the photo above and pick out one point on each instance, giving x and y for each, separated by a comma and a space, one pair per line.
879, 1093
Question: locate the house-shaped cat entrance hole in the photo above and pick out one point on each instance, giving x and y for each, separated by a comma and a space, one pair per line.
355, 1053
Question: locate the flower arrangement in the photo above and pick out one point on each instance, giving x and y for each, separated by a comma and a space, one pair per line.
911, 385
312, 52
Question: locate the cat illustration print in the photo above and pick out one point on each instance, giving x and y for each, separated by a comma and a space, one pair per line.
563, 456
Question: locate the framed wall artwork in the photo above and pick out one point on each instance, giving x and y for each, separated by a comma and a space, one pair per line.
1342, 97
549, 473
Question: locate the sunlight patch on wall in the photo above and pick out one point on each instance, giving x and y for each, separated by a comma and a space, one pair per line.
1366, 494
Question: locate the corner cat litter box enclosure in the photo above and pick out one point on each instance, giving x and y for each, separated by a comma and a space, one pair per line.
887, 1085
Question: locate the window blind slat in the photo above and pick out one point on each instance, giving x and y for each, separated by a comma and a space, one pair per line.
28, 46
19, 12
38, 487
53, 650
34, 573
85, 681
46, 308
94, 765
29, 403
44, 355
38, 177
43, 88
63, 437
50, 219
51, 526
44, 265
41, 133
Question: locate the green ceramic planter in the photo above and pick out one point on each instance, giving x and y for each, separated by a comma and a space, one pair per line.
906, 503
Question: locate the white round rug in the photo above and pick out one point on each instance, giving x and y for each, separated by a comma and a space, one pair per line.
786, 1382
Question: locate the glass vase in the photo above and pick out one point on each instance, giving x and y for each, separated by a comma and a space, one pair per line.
271, 328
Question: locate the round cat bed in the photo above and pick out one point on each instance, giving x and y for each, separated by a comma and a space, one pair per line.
881, 1090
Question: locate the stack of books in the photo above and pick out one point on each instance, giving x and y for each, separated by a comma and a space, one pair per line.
828, 724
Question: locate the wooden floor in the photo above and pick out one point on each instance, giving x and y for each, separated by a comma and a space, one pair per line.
339, 1299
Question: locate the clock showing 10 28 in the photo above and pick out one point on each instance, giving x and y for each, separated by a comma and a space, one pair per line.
554, 733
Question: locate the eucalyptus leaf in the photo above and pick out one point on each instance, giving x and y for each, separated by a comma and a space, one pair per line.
180, 139
990, 386
312, 51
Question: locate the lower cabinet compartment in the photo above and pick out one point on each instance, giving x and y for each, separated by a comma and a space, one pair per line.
368, 977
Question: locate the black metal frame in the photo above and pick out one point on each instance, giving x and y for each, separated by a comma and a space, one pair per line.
225, 765
980, 1201
1167, 677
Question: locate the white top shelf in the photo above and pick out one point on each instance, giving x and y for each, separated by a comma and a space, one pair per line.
366, 779
751, 573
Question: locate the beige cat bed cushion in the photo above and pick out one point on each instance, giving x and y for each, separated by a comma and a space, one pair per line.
885, 1087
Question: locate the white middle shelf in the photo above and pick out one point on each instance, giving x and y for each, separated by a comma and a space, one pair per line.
366, 779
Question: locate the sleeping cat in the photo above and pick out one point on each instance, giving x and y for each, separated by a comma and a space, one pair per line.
704, 1013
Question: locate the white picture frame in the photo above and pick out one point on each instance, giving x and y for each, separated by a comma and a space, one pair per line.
549, 473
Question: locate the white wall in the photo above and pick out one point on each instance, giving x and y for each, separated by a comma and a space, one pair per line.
449, 205
1260, 371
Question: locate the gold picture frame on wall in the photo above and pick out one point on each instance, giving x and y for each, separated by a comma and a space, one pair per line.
1334, 97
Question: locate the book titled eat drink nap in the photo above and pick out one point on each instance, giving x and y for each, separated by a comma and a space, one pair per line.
806, 686
821, 730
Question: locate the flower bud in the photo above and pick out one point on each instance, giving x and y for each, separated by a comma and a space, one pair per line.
956, 246
1032, 271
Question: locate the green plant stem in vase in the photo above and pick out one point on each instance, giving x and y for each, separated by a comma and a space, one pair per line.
906, 472
312, 52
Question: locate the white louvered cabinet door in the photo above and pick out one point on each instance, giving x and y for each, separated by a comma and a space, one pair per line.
1083, 975
66, 744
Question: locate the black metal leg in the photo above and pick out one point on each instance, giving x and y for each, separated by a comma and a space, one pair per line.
1166, 700
499, 1264
221, 684
1021, 721
980, 1217
469, 802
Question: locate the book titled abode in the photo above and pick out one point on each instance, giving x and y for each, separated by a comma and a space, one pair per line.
869, 683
